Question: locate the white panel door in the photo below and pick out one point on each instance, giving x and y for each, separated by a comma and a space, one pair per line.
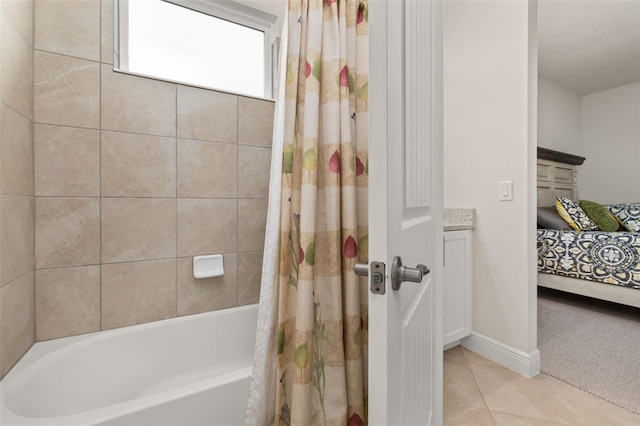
405, 210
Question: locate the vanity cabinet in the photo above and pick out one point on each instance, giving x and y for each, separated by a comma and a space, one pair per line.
457, 293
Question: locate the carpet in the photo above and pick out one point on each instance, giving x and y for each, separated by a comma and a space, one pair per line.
592, 345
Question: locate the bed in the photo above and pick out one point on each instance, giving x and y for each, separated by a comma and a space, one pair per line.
593, 263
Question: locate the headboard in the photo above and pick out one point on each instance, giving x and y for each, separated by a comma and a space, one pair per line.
557, 176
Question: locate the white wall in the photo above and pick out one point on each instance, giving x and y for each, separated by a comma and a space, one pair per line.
489, 100
611, 144
604, 127
559, 118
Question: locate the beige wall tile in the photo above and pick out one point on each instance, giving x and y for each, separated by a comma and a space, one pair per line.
16, 79
17, 329
70, 27
207, 169
207, 294
20, 14
16, 244
67, 232
254, 165
67, 161
74, 97
106, 32
16, 153
138, 229
67, 302
66, 90
137, 105
207, 115
249, 277
252, 220
207, 226
255, 121
138, 165
138, 292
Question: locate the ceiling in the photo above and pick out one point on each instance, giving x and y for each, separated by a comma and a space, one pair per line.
588, 46
585, 46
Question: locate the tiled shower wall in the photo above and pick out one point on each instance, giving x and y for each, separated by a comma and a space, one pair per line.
133, 177
17, 205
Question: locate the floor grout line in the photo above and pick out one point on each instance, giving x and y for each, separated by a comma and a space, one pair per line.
475, 380
529, 418
576, 402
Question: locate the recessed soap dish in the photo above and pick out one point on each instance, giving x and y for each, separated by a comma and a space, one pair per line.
208, 266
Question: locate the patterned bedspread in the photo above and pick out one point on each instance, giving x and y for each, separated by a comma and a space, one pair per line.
608, 257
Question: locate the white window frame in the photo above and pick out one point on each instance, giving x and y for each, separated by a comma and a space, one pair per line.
228, 10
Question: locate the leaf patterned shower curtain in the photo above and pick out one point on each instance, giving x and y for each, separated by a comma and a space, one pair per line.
322, 304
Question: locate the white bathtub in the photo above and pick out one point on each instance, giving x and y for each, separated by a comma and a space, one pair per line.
192, 370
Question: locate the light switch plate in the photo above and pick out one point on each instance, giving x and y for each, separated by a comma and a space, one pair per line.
505, 190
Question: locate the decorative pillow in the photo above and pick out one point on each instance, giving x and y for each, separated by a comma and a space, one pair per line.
628, 215
570, 211
548, 218
600, 216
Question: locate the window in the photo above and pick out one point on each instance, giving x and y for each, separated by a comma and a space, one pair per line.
222, 45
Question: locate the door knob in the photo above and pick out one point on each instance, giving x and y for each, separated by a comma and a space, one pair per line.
401, 273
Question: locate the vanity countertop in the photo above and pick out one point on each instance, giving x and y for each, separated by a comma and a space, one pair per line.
459, 219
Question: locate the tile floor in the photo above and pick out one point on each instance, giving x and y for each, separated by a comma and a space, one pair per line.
478, 391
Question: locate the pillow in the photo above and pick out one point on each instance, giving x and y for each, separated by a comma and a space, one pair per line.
570, 211
549, 218
600, 215
628, 215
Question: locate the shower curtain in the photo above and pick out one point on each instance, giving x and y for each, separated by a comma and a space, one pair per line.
310, 364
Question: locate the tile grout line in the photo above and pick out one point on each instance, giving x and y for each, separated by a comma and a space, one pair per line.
11, 108
33, 159
500, 412
491, 414
67, 55
466, 362
100, 323
126, 132
528, 418
100, 174
237, 200
176, 199
476, 382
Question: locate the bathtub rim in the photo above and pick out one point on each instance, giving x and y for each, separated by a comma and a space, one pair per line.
44, 353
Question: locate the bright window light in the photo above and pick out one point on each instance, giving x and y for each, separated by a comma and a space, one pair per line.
169, 41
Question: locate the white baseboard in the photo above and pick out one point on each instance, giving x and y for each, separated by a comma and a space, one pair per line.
451, 345
523, 363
